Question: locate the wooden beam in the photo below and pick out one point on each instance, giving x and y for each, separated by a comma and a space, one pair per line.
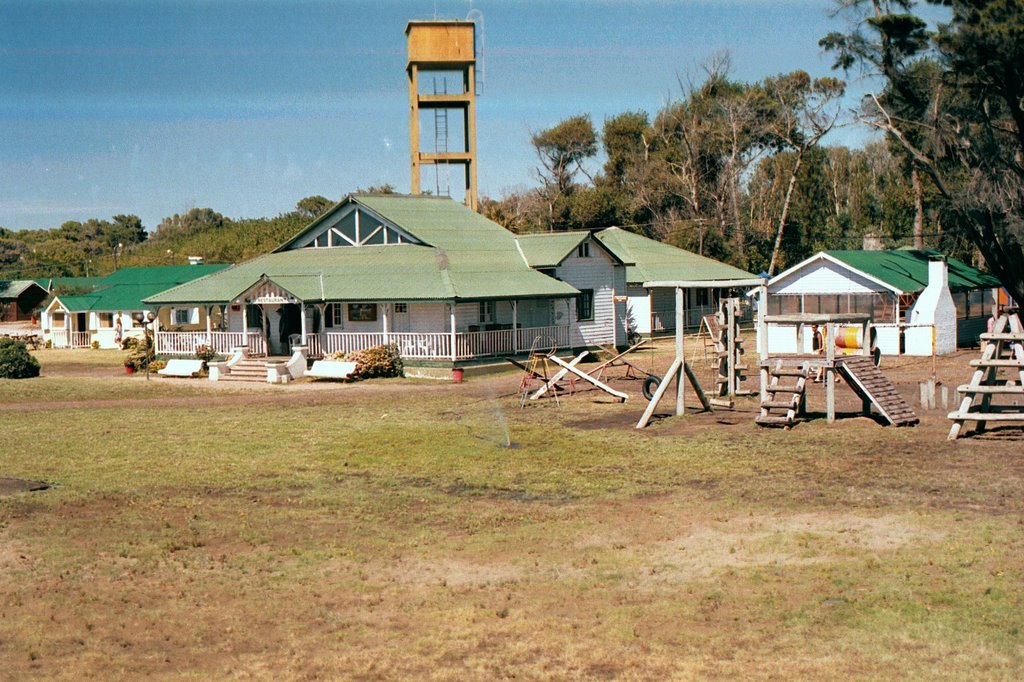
586, 377
673, 370
558, 376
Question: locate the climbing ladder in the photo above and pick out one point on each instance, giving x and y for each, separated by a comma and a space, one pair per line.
728, 353
786, 397
868, 382
1002, 350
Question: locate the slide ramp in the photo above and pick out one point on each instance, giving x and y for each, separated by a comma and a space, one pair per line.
869, 383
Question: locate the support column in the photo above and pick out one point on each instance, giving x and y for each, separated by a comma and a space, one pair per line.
302, 323
680, 351
515, 326
451, 313
384, 318
245, 325
209, 323
762, 338
830, 371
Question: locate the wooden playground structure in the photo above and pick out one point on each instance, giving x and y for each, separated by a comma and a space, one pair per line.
1002, 351
847, 351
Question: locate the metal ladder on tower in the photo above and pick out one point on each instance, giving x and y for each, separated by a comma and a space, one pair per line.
442, 171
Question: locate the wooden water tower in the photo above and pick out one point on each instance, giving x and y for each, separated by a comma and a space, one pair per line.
442, 82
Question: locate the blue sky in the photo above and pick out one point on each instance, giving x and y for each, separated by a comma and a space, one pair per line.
155, 107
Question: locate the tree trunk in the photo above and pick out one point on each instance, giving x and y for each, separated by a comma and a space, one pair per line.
915, 180
785, 211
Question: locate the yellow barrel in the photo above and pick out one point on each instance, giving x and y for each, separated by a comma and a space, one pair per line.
850, 338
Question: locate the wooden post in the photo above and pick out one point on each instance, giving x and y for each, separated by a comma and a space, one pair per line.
209, 329
451, 309
762, 336
830, 371
515, 326
245, 325
730, 321
680, 351
384, 320
302, 322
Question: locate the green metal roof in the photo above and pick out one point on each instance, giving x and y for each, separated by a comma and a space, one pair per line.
549, 249
907, 269
126, 288
51, 283
648, 260
434, 221
407, 272
13, 288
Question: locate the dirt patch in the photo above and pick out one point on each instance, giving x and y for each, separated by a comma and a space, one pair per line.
9, 486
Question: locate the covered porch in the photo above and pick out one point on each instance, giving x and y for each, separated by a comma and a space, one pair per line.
268, 319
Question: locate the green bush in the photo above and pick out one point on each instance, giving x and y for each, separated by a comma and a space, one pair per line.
140, 353
15, 360
379, 361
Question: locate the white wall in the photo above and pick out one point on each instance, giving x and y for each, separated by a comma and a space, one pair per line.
824, 277
601, 274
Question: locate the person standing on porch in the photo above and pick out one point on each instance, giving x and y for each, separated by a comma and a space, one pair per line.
118, 331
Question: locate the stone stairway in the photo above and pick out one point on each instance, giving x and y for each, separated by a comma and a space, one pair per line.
253, 370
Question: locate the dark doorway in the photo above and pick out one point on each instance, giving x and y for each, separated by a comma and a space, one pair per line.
290, 323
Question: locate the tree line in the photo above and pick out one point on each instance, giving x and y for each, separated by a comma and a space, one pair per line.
737, 171
732, 170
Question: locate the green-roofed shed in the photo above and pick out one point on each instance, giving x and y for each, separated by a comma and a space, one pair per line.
885, 284
19, 299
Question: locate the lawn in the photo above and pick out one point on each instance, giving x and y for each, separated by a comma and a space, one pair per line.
386, 530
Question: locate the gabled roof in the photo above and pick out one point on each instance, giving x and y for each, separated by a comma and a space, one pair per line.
126, 288
549, 249
907, 269
433, 221
463, 256
648, 260
14, 288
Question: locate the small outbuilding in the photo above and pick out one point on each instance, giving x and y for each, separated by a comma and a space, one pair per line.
920, 302
19, 299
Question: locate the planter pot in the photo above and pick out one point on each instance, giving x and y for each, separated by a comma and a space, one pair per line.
457, 373
128, 369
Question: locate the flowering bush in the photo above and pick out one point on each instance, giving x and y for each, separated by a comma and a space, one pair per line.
379, 361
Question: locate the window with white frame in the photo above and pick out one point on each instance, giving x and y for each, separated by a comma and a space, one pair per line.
105, 320
486, 312
401, 308
332, 315
185, 316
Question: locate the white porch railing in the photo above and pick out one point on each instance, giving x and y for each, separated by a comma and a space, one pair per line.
185, 343
419, 345
437, 345
62, 338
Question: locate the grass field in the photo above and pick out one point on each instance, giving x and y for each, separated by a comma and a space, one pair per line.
384, 530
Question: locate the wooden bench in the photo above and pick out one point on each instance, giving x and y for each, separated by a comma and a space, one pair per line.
181, 368
331, 369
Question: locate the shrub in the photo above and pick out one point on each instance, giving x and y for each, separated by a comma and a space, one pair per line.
49, 343
379, 361
157, 365
141, 353
95, 345
15, 360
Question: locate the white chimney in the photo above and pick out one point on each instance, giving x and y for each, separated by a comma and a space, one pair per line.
934, 307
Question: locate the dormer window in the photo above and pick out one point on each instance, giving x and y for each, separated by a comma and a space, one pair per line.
583, 250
